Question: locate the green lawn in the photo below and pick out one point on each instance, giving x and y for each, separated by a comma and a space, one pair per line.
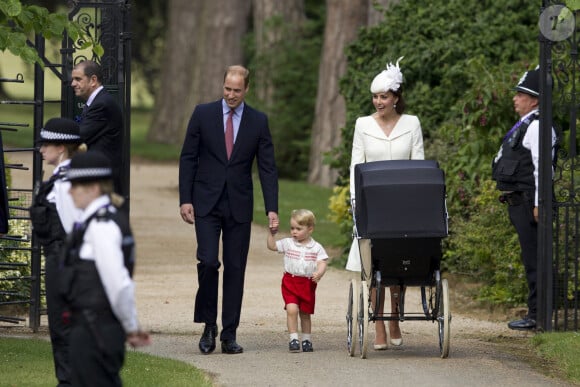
28, 362
562, 350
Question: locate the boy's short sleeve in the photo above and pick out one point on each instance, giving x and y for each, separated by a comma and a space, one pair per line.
281, 245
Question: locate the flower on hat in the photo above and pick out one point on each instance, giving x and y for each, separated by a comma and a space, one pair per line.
389, 79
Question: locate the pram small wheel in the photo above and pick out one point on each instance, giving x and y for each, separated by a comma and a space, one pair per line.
363, 319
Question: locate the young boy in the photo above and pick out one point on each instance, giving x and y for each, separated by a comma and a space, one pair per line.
304, 265
96, 276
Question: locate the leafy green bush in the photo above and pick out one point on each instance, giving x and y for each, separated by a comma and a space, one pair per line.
485, 247
12, 254
341, 214
472, 137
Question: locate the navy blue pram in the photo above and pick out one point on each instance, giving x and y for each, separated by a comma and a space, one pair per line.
400, 217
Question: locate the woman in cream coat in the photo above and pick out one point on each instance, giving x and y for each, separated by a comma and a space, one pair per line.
387, 134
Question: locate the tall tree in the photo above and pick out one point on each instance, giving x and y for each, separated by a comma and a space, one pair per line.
343, 18
273, 20
284, 52
148, 34
204, 37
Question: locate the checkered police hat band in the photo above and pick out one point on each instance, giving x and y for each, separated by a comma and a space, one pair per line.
54, 136
528, 90
88, 173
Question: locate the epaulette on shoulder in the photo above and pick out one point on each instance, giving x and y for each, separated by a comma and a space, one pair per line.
62, 172
103, 214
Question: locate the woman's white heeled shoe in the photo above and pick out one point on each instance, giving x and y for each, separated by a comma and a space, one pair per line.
397, 342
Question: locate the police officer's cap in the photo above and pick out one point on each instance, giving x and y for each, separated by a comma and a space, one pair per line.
530, 83
89, 166
60, 131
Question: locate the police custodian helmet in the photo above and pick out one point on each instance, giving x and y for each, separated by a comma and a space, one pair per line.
60, 131
89, 166
530, 83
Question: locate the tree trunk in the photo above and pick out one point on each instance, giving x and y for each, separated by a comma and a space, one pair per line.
343, 18
268, 29
204, 38
376, 16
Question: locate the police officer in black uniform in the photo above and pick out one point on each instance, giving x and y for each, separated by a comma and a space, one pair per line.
96, 276
53, 214
515, 170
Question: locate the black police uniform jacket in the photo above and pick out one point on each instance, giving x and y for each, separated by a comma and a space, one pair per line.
81, 285
44, 217
514, 169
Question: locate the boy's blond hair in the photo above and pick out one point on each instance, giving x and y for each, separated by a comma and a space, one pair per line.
304, 217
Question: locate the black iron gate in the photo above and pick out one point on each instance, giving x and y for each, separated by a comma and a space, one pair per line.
559, 226
108, 23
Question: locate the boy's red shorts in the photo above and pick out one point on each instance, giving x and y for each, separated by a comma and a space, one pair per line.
300, 291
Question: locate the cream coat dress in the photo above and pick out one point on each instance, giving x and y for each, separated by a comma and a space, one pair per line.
371, 144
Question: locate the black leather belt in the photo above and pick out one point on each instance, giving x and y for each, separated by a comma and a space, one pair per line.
514, 198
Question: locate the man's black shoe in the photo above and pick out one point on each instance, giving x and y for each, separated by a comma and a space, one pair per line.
524, 324
231, 347
207, 341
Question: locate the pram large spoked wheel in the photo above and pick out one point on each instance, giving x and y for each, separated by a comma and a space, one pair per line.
363, 319
351, 317
443, 318
357, 318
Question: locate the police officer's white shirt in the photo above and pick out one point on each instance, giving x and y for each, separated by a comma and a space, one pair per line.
102, 244
531, 141
60, 196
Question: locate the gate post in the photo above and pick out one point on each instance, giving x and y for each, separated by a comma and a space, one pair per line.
544, 270
35, 256
558, 289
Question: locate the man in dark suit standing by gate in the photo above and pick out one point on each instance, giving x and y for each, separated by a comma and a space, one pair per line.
102, 120
216, 195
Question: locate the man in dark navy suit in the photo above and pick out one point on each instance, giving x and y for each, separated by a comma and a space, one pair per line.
216, 195
102, 120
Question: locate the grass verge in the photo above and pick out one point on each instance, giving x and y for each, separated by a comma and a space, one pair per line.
28, 362
561, 350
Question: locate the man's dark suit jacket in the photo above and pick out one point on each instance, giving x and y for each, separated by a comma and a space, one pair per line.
204, 168
102, 130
